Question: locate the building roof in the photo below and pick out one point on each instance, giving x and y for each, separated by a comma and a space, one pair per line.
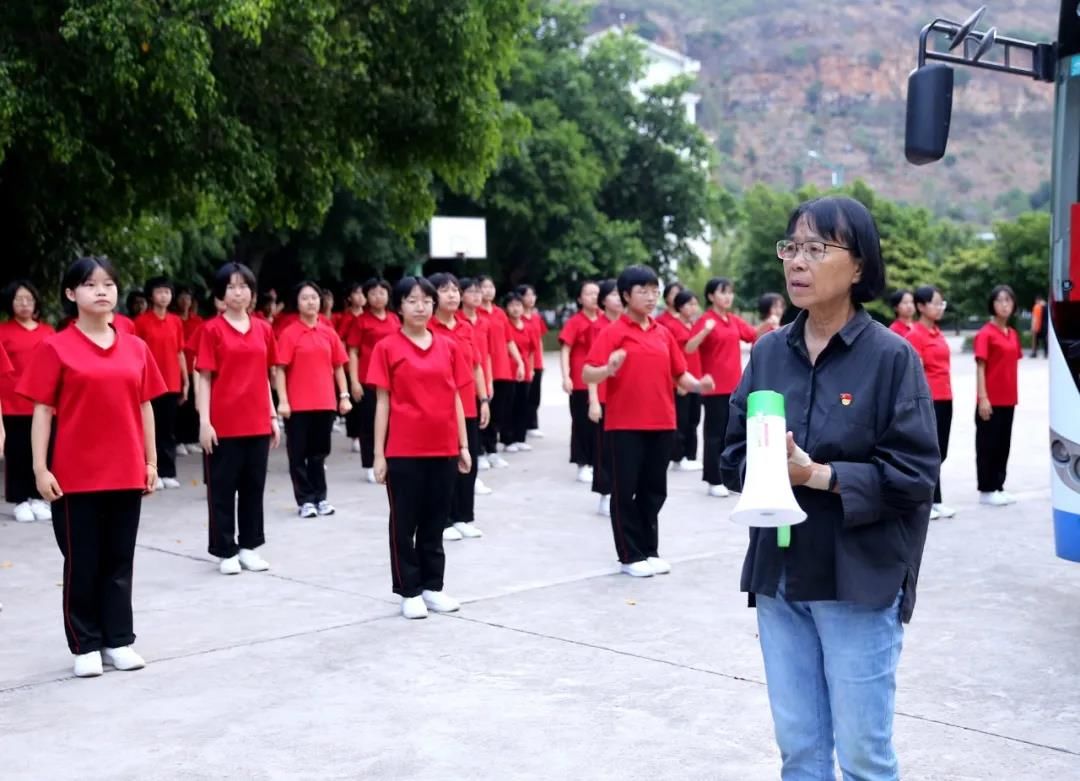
656, 51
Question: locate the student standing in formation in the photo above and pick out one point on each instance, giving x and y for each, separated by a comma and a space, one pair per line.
686, 310
367, 330
523, 337
997, 355
163, 333
771, 308
326, 308
421, 444
717, 335
238, 424
343, 324
903, 306
78, 378
576, 339
187, 416
505, 372
639, 360
19, 337
136, 304
668, 316
460, 521
929, 342
536, 321
611, 309
471, 299
311, 389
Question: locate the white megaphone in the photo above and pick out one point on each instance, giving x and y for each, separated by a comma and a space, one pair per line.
767, 499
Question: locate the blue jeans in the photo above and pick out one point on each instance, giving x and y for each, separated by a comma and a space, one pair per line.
831, 673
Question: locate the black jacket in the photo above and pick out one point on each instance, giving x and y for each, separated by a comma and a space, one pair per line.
865, 408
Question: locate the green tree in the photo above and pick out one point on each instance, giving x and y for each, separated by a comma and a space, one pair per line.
764, 214
1023, 250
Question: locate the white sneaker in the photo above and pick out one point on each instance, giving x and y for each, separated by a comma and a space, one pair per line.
250, 560
450, 534
934, 513
686, 465
482, 488
498, 461
468, 531
325, 508
994, 499
584, 474
355, 446
659, 566
639, 569
483, 463
440, 602
603, 507
170, 482
1009, 498
413, 607
524, 447
230, 566
23, 513
88, 665
181, 449
513, 447
944, 510
535, 433
159, 485
307, 510
123, 658
719, 490
41, 509
370, 476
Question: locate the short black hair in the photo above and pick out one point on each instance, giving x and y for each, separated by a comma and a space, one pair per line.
81, 270
223, 276
766, 302
716, 283
466, 282
847, 222
997, 291
584, 283
634, 276
482, 278
521, 290
924, 294
674, 286
512, 298
352, 287
154, 283
606, 286
406, 285
441, 279
293, 304
7, 298
375, 282
682, 298
898, 296
132, 297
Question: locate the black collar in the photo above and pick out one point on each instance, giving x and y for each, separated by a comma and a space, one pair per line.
796, 336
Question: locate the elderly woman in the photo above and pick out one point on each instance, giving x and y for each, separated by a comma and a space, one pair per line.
863, 457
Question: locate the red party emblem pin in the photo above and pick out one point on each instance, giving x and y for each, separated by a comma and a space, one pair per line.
845, 399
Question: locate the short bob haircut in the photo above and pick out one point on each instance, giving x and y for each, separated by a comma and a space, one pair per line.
375, 282
223, 276
442, 279
997, 291
766, 302
513, 298
635, 276
672, 289
521, 290
7, 298
846, 221
924, 294
898, 296
468, 282
294, 300
723, 284
155, 283
606, 286
682, 298
405, 286
584, 284
80, 271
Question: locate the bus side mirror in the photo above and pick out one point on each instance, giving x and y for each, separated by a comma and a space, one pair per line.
929, 111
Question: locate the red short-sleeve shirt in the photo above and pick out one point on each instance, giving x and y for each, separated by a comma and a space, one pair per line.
240, 363
422, 386
97, 393
165, 338
681, 332
191, 327
540, 327
19, 343
525, 339
309, 356
482, 340
932, 348
639, 397
498, 342
721, 355
464, 335
900, 327
366, 331
577, 334
123, 324
1001, 351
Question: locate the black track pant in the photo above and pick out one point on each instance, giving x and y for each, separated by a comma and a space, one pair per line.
165, 432
534, 399
367, 427
308, 444
716, 419
187, 422
235, 480
19, 483
688, 417
420, 491
639, 490
582, 430
992, 441
463, 504
96, 534
502, 413
602, 466
519, 414
352, 420
943, 413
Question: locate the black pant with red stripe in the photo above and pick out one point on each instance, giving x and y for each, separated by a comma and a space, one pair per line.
235, 481
19, 483
943, 413
534, 399
96, 533
638, 491
463, 504
993, 439
165, 432
602, 465
420, 491
716, 420
582, 430
307, 444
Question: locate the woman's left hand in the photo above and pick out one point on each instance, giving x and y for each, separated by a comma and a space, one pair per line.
464, 463
275, 433
151, 478
799, 466
344, 406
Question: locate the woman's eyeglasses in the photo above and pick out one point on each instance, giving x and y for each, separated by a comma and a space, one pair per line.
814, 251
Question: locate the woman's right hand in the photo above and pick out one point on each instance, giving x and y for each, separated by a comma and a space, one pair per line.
357, 391
207, 437
284, 410
596, 412
379, 467
985, 409
47, 486
568, 385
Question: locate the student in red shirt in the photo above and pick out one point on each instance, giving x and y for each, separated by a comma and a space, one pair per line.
611, 310
716, 335
460, 522
163, 333
311, 389
367, 330
687, 310
903, 305
354, 307
536, 321
421, 444
238, 425
95, 475
576, 340
471, 300
771, 308
126, 325
929, 342
639, 360
524, 338
19, 337
669, 314
187, 416
135, 304
997, 355
507, 368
